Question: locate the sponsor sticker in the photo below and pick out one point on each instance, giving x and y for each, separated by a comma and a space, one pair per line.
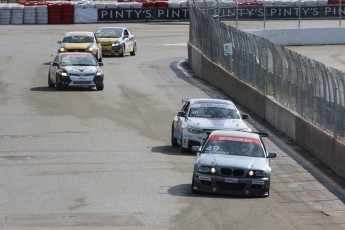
235, 138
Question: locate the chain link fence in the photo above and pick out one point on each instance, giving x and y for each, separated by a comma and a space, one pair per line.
310, 88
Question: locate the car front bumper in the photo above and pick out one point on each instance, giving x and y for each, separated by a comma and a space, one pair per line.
111, 50
190, 139
231, 185
76, 81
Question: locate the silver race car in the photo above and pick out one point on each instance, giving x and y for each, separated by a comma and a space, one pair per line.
198, 117
75, 69
234, 163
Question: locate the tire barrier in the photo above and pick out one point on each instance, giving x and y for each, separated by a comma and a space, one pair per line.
17, 14
54, 14
30, 15
67, 13
62, 12
5, 14
42, 14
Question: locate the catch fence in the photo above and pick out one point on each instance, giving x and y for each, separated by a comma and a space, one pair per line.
315, 91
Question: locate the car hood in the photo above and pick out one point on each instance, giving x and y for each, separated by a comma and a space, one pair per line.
84, 70
107, 40
205, 123
76, 45
234, 161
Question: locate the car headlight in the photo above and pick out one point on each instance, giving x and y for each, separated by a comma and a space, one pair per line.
62, 49
90, 49
257, 173
116, 44
207, 169
99, 74
194, 130
64, 74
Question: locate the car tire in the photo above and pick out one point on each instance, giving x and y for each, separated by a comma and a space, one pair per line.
57, 85
182, 149
50, 83
192, 187
173, 140
100, 87
133, 53
123, 51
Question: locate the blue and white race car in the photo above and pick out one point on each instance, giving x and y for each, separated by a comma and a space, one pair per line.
199, 117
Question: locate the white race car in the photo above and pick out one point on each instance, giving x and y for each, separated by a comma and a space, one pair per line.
199, 117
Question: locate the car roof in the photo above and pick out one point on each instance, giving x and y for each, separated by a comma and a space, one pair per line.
88, 33
111, 27
210, 100
234, 133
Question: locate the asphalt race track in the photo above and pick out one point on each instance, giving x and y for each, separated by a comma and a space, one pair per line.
84, 159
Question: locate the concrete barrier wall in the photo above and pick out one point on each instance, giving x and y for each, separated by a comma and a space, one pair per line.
280, 117
310, 137
305, 36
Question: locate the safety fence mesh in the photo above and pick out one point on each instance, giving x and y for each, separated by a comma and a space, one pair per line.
310, 88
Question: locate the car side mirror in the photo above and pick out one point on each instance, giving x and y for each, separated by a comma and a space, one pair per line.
181, 114
59, 42
272, 155
245, 116
100, 64
55, 64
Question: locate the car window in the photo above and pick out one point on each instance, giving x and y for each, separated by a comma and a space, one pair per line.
109, 33
185, 107
78, 39
214, 112
239, 148
78, 61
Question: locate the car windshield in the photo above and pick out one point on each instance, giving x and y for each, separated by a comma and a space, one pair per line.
78, 39
109, 33
214, 112
78, 61
228, 147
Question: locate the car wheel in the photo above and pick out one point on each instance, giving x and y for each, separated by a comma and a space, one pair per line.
182, 149
100, 87
57, 84
50, 83
123, 51
192, 187
173, 140
134, 50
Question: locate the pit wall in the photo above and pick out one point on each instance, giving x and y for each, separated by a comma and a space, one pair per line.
310, 137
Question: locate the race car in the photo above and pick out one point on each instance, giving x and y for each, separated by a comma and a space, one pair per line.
81, 41
116, 41
233, 163
198, 117
75, 69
